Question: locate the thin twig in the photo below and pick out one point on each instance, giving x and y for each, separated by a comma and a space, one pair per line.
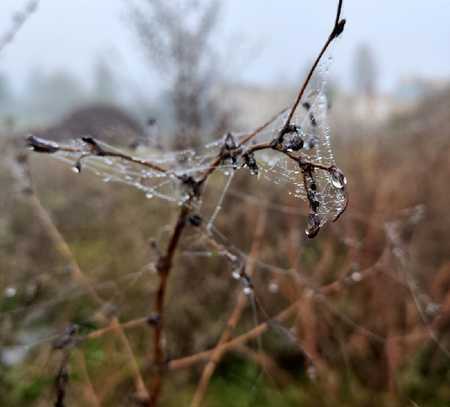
336, 31
234, 318
79, 276
19, 19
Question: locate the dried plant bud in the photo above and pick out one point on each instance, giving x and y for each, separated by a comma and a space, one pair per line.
67, 338
250, 162
192, 185
338, 29
230, 150
306, 167
96, 149
230, 142
338, 178
313, 225
42, 146
154, 320
195, 220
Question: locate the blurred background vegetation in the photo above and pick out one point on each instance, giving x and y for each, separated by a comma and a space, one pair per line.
382, 337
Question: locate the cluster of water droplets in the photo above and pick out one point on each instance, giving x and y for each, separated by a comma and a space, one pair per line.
310, 139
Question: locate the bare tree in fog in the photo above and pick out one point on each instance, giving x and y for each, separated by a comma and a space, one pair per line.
51, 95
6, 93
177, 41
105, 84
365, 71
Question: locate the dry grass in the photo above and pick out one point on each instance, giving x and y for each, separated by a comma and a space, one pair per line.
352, 296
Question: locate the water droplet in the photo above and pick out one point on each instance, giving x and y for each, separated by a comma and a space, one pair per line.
10, 292
236, 275
313, 225
311, 142
309, 293
356, 276
247, 291
338, 178
295, 144
273, 287
77, 167
432, 308
312, 373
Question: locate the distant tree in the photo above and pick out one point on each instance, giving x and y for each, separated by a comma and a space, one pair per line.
52, 95
6, 93
177, 40
105, 86
365, 71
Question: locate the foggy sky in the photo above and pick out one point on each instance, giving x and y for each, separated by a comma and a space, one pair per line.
407, 36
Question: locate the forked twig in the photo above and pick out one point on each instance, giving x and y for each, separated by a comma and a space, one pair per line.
337, 30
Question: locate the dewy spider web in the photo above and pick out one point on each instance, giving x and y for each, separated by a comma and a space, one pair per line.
312, 132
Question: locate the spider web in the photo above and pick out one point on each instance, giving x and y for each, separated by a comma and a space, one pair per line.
274, 167
311, 118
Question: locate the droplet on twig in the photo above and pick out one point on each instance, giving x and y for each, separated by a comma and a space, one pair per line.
10, 292
273, 287
313, 225
295, 143
356, 276
247, 290
236, 275
195, 220
250, 163
338, 178
77, 167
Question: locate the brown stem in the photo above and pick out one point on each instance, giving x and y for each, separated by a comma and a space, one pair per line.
338, 25
164, 267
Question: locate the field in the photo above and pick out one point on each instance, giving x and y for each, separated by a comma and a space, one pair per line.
368, 298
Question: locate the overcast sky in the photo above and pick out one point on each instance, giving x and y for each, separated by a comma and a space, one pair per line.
409, 37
